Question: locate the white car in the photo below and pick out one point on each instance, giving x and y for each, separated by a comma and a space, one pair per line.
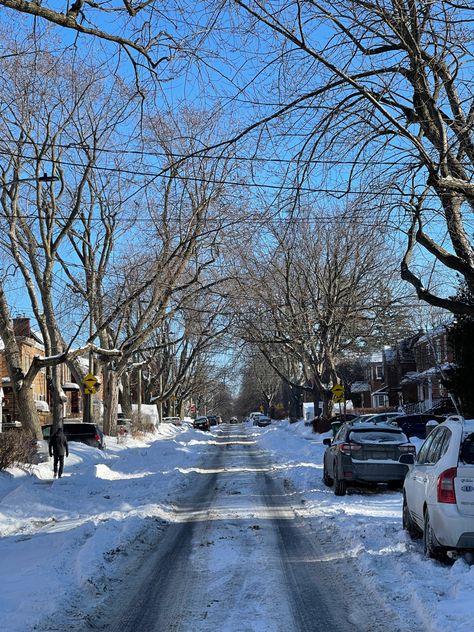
438, 492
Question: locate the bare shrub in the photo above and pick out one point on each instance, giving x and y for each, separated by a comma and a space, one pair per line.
141, 425
16, 447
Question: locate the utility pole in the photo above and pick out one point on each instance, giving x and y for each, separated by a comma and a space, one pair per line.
139, 395
160, 407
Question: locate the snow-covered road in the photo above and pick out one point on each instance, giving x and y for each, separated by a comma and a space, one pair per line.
230, 532
238, 559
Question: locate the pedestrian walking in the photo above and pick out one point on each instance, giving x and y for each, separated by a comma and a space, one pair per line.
58, 448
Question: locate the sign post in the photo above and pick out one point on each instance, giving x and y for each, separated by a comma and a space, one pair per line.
91, 384
338, 395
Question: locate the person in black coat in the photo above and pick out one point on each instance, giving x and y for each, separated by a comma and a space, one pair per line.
58, 447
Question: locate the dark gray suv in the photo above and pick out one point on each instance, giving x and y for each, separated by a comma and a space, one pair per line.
365, 452
90, 434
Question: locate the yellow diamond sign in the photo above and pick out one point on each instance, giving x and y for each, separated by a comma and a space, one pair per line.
90, 381
337, 390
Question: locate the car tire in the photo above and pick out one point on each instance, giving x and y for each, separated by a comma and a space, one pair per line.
431, 547
407, 521
327, 480
340, 486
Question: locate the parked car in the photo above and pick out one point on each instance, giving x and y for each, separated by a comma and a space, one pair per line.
201, 423
438, 493
176, 421
415, 425
382, 417
87, 433
234, 420
261, 421
212, 420
365, 452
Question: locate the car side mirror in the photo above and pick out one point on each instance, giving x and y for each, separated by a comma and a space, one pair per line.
407, 459
327, 441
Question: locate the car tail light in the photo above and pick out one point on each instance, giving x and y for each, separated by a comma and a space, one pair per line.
348, 448
446, 491
97, 438
407, 447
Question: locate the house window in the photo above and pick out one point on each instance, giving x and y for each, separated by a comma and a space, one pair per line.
379, 372
380, 400
75, 402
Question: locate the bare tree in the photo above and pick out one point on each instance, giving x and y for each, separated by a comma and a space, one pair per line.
147, 33
47, 108
322, 291
376, 95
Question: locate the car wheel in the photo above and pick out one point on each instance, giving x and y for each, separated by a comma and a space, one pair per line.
407, 521
431, 547
327, 480
340, 486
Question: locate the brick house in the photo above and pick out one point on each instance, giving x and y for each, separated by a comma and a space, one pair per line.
30, 345
433, 357
399, 361
371, 392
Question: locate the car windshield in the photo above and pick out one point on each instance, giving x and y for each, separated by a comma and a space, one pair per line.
377, 436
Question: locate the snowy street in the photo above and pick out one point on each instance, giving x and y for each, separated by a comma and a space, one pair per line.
231, 530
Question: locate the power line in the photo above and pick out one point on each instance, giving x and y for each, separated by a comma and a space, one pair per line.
216, 181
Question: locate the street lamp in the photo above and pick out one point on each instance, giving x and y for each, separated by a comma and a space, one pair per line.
45, 178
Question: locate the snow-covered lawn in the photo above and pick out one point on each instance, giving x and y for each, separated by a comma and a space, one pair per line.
62, 538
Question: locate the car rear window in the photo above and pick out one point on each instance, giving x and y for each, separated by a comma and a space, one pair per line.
377, 436
77, 429
467, 450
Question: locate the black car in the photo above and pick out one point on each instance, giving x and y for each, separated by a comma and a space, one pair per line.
365, 452
201, 423
213, 421
415, 425
262, 421
87, 433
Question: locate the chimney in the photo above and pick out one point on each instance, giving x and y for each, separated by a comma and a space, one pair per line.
21, 327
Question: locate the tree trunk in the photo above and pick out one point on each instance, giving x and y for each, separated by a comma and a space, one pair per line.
126, 396
111, 394
22, 391
327, 404
56, 393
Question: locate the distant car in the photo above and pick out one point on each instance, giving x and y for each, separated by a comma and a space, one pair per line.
261, 421
234, 420
201, 423
87, 433
176, 421
438, 493
415, 425
213, 420
365, 452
